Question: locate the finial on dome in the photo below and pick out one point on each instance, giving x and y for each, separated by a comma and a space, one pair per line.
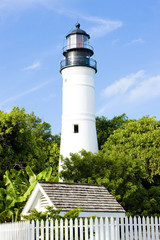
77, 25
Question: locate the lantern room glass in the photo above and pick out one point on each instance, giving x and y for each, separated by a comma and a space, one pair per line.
77, 41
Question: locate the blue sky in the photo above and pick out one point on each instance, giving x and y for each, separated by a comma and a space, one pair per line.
126, 39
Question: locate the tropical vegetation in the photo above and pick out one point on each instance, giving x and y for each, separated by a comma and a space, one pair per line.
127, 163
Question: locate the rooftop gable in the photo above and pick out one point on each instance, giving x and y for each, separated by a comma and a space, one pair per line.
90, 198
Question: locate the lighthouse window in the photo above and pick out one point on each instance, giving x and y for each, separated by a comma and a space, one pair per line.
72, 41
80, 41
85, 41
68, 42
75, 128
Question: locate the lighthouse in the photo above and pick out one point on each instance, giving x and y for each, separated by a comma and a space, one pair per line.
78, 69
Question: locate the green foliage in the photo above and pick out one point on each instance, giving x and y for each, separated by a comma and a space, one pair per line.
128, 166
18, 187
52, 213
134, 153
84, 167
26, 140
74, 213
105, 127
57, 139
27, 147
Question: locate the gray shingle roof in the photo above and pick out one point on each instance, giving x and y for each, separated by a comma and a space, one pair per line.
88, 197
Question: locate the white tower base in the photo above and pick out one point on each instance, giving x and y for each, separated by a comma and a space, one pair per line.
78, 115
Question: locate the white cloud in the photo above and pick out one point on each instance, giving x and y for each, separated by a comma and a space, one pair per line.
103, 26
36, 88
122, 86
147, 89
133, 90
135, 41
35, 65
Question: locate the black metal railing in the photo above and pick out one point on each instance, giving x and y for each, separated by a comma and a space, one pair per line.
91, 63
73, 46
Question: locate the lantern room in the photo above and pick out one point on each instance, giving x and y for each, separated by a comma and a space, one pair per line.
78, 52
78, 38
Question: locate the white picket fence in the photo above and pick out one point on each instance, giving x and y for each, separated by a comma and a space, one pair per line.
84, 229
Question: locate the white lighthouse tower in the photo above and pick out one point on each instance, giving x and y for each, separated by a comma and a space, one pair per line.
78, 109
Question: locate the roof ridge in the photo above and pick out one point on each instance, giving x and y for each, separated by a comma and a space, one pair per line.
70, 183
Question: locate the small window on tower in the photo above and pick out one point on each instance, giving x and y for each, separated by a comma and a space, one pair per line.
75, 128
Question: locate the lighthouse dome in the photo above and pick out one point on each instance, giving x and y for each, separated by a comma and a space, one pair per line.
78, 31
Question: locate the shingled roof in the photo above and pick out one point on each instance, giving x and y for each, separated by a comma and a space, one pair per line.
90, 198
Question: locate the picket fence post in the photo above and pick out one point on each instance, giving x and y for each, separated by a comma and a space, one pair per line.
81, 228
91, 229
156, 226
144, 228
